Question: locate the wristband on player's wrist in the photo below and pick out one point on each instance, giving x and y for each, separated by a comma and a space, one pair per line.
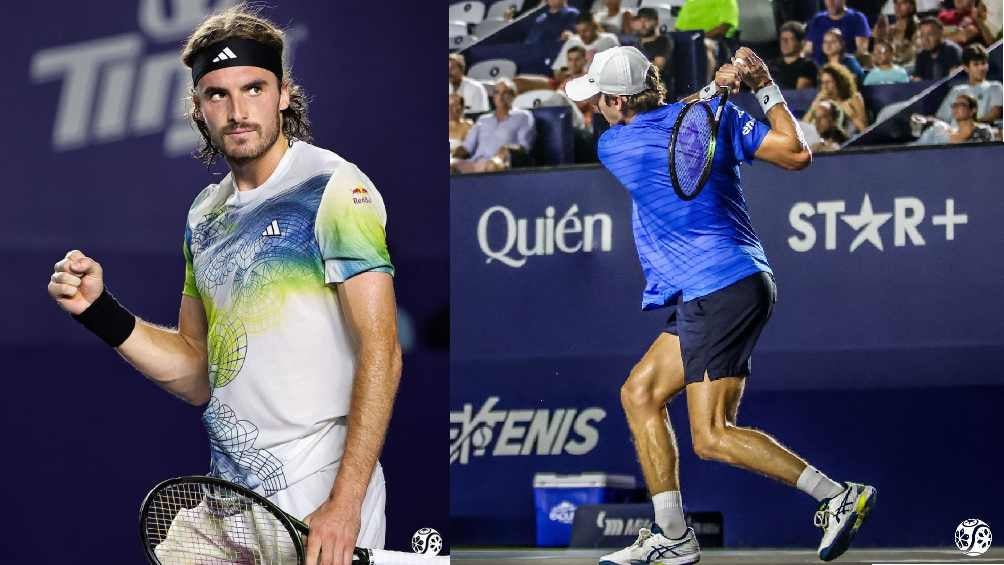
769, 96
708, 91
108, 319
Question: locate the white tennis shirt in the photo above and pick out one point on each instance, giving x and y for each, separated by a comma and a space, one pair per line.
281, 359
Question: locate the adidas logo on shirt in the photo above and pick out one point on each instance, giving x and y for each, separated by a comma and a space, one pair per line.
225, 55
272, 230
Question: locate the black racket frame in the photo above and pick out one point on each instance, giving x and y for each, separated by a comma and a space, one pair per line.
715, 119
297, 529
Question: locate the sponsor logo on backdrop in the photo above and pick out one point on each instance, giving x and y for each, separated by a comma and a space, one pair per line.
550, 234
496, 432
907, 220
621, 526
563, 512
131, 84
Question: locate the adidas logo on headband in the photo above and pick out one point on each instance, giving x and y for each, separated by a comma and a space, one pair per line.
253, 54
224, 55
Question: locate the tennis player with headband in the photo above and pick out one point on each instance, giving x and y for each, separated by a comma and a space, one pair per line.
703, 261
287, 326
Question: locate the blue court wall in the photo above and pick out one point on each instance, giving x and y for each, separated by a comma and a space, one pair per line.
96, 156
881, 363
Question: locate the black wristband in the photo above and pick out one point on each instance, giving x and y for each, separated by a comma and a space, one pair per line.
108, 319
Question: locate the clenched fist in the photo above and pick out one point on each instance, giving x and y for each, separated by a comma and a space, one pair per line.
752, 70
76, 282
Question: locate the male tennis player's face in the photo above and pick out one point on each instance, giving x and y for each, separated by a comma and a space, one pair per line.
612, 112
241, 107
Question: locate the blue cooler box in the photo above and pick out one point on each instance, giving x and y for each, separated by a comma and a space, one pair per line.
557, 496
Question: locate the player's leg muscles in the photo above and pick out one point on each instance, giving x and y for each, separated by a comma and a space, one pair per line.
653, 382
713, 406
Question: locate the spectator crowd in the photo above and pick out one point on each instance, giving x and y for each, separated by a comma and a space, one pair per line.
840, 48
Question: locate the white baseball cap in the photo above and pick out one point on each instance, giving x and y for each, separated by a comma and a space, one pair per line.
620, 71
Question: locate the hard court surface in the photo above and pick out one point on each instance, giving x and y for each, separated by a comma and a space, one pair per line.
866, 556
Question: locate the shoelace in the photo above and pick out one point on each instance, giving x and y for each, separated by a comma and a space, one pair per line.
821, 519
643, 534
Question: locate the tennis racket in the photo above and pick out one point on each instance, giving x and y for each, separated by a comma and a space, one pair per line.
692, 146
200, 520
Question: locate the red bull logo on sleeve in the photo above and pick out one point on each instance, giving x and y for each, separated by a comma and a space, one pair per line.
360, 195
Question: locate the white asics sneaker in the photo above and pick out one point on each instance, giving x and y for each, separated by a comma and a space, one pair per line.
841, 516
652, 547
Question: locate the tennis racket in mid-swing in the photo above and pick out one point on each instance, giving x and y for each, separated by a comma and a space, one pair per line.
692, 146
199, 520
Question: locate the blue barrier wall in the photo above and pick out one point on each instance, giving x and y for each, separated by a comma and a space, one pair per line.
96, 157
881, 363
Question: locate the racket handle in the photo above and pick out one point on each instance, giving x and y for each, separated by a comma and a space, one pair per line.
384, 557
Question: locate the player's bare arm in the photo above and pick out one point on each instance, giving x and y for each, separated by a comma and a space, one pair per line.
785, 144
174, 359
367, 301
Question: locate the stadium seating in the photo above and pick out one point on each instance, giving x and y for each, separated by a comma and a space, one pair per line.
488, 27
492, 69
529, 58
458, 29
472, 12
461, 42
506, 55
539, 98
498, 9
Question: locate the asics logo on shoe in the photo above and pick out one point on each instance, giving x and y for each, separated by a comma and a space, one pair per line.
846, 503
661, 551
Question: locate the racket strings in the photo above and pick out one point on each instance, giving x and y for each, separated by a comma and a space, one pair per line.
200, 524
693, 149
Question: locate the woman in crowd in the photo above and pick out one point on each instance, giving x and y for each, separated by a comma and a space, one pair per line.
902, 33
837, 85
834, 51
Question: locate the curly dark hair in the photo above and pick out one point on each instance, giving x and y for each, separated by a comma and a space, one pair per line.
847, 86
652, 97
244, 21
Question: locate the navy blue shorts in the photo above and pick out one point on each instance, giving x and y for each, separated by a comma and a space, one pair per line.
718, 331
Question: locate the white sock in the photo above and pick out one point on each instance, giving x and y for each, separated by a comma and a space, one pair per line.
669, 513
818, 485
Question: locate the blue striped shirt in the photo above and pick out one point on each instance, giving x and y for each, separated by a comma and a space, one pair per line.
691, 247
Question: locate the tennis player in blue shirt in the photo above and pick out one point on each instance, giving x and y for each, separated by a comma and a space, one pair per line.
703, 261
